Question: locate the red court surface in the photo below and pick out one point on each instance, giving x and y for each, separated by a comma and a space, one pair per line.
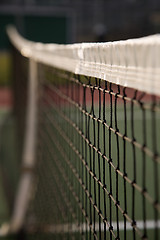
6, 99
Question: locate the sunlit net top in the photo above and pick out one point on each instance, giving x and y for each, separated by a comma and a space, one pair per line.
131, 63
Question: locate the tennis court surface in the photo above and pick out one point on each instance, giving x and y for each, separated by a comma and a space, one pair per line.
88, 118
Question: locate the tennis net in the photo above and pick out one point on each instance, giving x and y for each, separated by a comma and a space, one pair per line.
95, 139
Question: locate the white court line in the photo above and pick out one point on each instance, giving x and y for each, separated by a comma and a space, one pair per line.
150, 224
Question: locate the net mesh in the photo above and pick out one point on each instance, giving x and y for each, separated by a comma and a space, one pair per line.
97, 145
98, 159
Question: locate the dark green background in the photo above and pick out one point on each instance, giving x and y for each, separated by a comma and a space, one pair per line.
36, 28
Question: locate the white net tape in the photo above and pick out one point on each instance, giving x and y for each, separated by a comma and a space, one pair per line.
132, 63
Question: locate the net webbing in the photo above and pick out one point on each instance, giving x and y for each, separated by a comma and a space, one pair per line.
98, 173
97, 147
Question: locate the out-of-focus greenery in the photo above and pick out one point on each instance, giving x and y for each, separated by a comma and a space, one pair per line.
5, 68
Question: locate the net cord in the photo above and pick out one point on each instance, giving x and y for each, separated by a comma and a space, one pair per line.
133, 63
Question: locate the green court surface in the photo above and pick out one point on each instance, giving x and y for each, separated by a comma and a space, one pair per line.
137, 168
9, 170
52, 196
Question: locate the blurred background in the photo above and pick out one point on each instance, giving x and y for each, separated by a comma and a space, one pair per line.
65, 21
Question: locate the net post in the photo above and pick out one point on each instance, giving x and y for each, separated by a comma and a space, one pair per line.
28, 155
